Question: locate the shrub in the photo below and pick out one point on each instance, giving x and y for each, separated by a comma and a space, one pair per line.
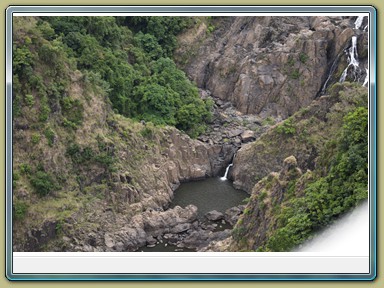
262, 196
146, 132
43, 183
15, 178
44, 110
50, 135
35, 138
25, 169
20, 208
286, 128
329, 196
268, 121
303, 58
295, 74
30, 100
290, 61
72, 112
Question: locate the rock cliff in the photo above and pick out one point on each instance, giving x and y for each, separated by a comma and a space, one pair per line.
269, 65
312, 185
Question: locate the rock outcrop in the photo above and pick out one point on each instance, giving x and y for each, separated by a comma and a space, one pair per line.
269, 65
145, 227
302, 135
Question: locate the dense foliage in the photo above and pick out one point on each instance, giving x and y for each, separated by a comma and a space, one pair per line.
297, 205
128, 56
331, 195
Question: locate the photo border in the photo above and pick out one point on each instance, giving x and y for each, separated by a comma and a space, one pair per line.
196, 9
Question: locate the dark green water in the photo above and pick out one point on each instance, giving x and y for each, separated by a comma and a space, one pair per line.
207, 195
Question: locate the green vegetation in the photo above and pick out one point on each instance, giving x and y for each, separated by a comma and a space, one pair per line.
303, 58
297, 206
295, 74
130, 57
35, 138
147, 132
286, 128
15, 178
25, 169
86, 156
20, 208
331, 195
43, 183
72, 110
268, 121
50, 135
30, 100
290, 61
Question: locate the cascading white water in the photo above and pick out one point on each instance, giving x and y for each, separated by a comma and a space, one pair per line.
353, 66
226, 172
352, 60
358, 22
333, 68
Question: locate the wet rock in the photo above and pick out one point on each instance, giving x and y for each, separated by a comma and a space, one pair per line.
232, 215
181, 228
214, 215
201, 238
173, 239
150, 240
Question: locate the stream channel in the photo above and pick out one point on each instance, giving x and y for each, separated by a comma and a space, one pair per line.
207, 195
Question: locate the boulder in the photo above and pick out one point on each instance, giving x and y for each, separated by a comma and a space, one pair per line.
232, 215
150, 240
181, 228
214, 215
247, 136
234, 133
201, 238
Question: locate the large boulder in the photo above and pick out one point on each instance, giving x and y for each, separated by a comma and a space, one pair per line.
214, 215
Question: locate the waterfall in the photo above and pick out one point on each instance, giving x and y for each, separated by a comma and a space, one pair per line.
352, 59
226, 172
228, 167
331, 71
353, 66
358, 22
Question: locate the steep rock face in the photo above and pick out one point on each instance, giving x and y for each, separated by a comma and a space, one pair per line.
173, 158
302, 135
266, 195
257, 159
267, 65
303, 192
107, 171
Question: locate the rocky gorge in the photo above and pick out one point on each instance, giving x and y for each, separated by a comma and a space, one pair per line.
277, 102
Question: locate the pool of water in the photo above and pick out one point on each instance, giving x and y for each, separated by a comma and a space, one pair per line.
207, 195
